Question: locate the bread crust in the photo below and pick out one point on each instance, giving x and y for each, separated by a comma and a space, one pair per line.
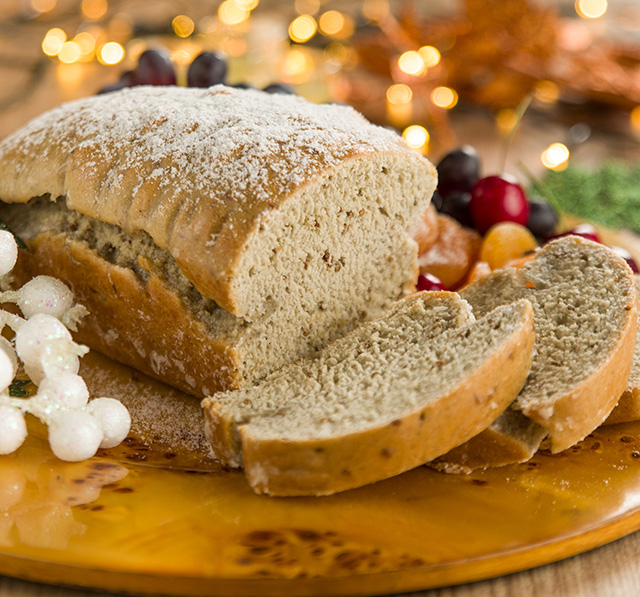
187, 357
326, 466
127, 158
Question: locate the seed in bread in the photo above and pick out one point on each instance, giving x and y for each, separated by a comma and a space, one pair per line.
386, 398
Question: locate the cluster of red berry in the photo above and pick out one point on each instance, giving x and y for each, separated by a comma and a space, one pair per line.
512, 225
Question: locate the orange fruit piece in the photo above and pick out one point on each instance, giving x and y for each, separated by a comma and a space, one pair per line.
478, 270
505, 242
452, 255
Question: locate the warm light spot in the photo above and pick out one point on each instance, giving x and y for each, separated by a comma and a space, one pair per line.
591, 9
183, 26
331, 22
230, 13
94, 10
416, 137
411, 63
375, 9
302, 28
506, 119
337, 53
307, 7
547, 92
110, 53
43, 5
208, 24
247, 4
297, 66
399, 94
444, 97
555, 156
430, 56
53, 41
69, 52
87, 44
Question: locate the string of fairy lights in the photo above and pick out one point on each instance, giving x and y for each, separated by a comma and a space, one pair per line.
318, 39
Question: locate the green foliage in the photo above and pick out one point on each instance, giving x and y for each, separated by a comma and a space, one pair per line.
16, 389
609, 195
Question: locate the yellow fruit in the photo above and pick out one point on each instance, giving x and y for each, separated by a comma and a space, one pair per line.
505, 242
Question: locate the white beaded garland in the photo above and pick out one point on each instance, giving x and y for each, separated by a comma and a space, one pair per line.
13, 429
75, 435
61, 391
77, 427
8, 363
114, 419
34, 337
44, 294
8, 252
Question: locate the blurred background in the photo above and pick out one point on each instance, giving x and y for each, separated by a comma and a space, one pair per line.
442, 73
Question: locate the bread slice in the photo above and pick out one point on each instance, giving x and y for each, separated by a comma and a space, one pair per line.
215, 234
392, 395
585, 305
628, 407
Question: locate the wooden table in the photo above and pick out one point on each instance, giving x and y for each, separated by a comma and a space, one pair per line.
33, 83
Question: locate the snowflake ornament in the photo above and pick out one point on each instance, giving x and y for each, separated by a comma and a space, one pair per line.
77, 425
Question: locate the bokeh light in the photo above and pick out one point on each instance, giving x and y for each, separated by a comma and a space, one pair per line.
430, 56
399, 94
110, 53
591, 9
302, 28
53, 41
555, 157
230, 13
183, 26
417, 137
94, 10
411, 63
444, 97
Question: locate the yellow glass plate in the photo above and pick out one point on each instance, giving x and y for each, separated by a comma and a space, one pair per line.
156, 515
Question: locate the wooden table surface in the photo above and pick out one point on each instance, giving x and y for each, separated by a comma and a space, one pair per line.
32, 83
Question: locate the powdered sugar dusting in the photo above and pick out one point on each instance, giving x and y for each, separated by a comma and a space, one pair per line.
267, 143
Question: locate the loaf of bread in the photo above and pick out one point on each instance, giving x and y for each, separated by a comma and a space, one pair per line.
585, 305
390, 396
214, 234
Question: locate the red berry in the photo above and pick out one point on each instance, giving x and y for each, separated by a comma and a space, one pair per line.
583, 230
429, 282
497, 199
624, 254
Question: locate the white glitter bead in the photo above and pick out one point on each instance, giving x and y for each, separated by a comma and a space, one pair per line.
35, 335
13, 429
45, 294
74, 436
58, 357
62, 391
8, 252
8, 363
114, 419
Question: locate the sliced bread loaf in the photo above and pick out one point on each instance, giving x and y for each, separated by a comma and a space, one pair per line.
585, 306
215, 234
628, 407
390, 396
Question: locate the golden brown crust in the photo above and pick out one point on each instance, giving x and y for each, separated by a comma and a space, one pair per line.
163, 339
197, 169
325, 466
627, 409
